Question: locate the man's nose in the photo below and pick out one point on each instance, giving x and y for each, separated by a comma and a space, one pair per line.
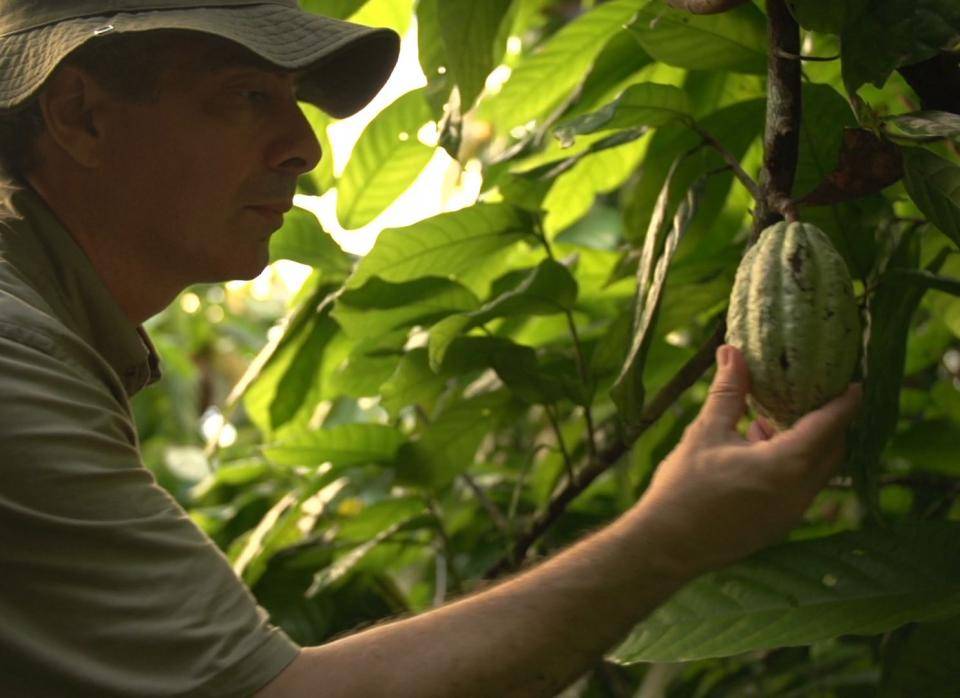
296, 150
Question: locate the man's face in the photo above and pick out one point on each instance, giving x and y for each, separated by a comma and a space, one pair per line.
202, 175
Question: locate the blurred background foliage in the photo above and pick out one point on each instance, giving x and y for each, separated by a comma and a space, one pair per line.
379, 421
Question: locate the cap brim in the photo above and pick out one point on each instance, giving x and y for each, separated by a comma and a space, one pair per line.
345, 65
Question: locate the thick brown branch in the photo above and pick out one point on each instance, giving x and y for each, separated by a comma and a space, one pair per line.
781, 139
668, 395
706, 7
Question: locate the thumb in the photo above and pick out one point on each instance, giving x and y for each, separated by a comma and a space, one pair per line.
726, 403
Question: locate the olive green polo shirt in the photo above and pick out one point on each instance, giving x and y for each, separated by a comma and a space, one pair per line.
107, 588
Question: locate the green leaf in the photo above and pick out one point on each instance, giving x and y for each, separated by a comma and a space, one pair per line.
934, 185
646, 104
302, 239
455, 243
858, 583
385, 161
736, 126
287, 371
825, 115
470, 31
891, 310
628, 391
343, 446
927, 124
734, 41
573, 193
548, 289
320, 178
338, 9
931, 445
922, 660
395, 14
379, 306
450, 442
371, 362
412, 383
829, 17
543, 78
911, 31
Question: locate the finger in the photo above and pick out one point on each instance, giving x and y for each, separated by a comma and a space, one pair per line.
726, 403
822, 429
759, 430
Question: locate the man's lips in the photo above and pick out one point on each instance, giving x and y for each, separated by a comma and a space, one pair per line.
272, 212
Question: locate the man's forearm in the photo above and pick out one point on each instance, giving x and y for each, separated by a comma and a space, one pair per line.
528, 636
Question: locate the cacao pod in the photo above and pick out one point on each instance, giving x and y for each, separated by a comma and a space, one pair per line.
794, 318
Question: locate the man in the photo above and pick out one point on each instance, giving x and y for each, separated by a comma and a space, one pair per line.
153, 144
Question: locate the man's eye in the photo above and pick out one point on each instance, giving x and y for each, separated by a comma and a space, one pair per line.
254, 96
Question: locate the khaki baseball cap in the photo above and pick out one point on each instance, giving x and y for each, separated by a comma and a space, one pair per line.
344, 64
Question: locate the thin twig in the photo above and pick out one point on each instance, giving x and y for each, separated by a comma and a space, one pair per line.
567, 462
780, 53
668, 395
488, 504
434, 507
729, 158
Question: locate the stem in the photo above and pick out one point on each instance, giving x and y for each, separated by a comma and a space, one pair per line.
799, 57
781, 140
488, 505
434, 507
668, 395
567, 462
728, 157
578, 353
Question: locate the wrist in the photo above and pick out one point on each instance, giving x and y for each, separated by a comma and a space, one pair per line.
664, 550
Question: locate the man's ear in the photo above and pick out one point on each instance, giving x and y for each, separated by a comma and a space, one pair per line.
73, 105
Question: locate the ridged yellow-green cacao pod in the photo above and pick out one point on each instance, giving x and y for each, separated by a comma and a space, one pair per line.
793, 316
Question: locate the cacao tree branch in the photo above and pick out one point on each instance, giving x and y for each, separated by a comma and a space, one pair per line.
688, 374
489, 506
781, 139
705, 7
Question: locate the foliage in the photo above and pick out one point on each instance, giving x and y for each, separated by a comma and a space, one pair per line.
408, 426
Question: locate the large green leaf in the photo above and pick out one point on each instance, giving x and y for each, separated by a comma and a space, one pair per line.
545, 77
449, 444
395, 14
380, 306
302, 239
646, 104
548, 289
344, 445
736, 126
451, 243
573, 193
894, 33
412, 383
734, 41
922, 660
930, 445
858, 583
832, 16
385, 161
471, 32
825, 115
288, 371
934, 185
320, 178
338, 9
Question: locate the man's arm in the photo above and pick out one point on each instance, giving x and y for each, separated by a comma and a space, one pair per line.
715, 499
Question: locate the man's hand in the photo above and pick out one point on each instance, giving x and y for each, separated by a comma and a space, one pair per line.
719, 497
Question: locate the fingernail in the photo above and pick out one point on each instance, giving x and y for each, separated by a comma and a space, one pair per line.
723, 356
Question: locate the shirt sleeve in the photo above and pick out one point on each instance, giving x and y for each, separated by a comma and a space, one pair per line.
107, 588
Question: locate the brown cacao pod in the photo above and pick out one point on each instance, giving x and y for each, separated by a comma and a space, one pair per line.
793, 316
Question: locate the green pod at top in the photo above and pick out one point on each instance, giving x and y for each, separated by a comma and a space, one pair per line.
794, 318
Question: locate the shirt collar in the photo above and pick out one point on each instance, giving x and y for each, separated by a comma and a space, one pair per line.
63, 274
